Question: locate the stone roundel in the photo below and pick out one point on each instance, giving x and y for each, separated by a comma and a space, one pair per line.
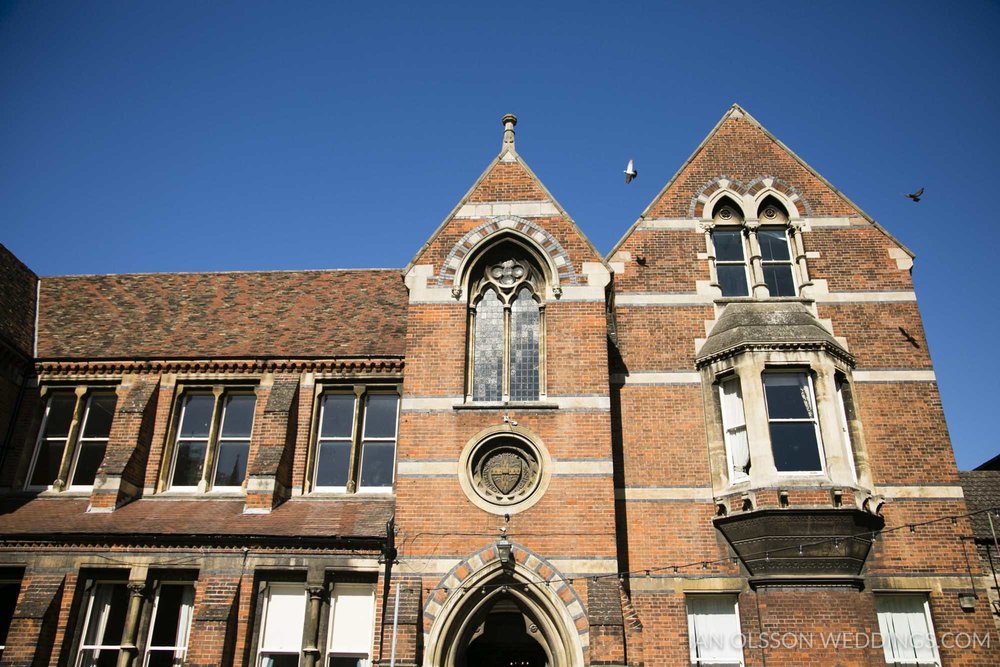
504, 470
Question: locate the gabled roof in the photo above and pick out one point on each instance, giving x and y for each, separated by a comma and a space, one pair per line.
705, 165
508, 156
271, 314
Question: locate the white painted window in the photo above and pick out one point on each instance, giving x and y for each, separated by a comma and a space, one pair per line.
170, 626
794, 426
84, 443
714, 630
734, 424
730, 261
352, 625
906, 630
282, 623
104, 624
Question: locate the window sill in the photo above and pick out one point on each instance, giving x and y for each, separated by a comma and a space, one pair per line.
722, 300
506, 405
186, 495
333, 495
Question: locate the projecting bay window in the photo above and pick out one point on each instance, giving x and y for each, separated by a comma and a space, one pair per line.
73, 438
792, 420
506, 332
355, 439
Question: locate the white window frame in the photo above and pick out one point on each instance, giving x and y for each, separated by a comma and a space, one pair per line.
320, 439
790, 262
729, 431
73, 439
262, 651
694, 658
815, 420
219, 394
747, 273
91, 597
357, 440
180, 650
331, 650
363, 441
921, 600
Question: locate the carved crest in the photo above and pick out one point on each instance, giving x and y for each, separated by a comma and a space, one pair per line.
505, 470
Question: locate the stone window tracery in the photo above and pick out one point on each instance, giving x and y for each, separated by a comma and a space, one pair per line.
506, 327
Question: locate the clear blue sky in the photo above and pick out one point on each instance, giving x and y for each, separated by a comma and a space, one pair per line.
193, 136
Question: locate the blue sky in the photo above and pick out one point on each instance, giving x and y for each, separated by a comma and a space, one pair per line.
193, 136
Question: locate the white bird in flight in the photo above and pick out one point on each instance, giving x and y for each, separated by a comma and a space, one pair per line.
630, 172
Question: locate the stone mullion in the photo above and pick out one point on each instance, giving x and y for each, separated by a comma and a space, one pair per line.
66, 463
311, 648
799, 257
213, 441
129, 648
354, 471
542, 355
312, 451
758, 287
505, 380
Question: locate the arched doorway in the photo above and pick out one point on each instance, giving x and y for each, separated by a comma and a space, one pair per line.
507, 637
504, 617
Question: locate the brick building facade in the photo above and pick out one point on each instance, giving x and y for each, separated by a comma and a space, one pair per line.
720, 443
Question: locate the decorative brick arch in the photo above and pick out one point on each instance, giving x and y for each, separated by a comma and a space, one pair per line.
563, 273
532, 567
782, 187
703, 195
752, 189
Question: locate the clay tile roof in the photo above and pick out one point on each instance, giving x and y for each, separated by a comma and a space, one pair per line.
53, 517
286, 314
982, 491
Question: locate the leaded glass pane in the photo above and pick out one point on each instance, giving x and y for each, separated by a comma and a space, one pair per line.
488, 352
524, 325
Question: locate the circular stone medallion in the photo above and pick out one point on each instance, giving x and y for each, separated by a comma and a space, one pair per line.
503, 472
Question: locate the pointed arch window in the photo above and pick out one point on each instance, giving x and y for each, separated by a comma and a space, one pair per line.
506, 325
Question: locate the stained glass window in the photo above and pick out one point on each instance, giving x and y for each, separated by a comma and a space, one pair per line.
524, 325
488, 366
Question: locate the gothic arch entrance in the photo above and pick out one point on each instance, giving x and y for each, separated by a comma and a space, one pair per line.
504, 617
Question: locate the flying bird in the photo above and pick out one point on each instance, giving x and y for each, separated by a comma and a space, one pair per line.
630, 172
915, 196
909, 337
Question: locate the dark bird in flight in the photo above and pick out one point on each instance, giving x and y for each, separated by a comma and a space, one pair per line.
909, 337
640, 260
915, 196
630, 172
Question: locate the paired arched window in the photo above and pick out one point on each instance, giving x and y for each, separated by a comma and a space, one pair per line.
506, 327
755, 254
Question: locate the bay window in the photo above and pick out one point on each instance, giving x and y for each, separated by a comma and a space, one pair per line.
791, 416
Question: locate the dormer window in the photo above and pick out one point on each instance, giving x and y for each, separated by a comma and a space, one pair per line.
506, 325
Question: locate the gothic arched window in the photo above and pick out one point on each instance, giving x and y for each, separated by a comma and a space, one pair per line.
506, 325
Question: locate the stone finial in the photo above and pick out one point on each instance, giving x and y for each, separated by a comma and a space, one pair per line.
509, 121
